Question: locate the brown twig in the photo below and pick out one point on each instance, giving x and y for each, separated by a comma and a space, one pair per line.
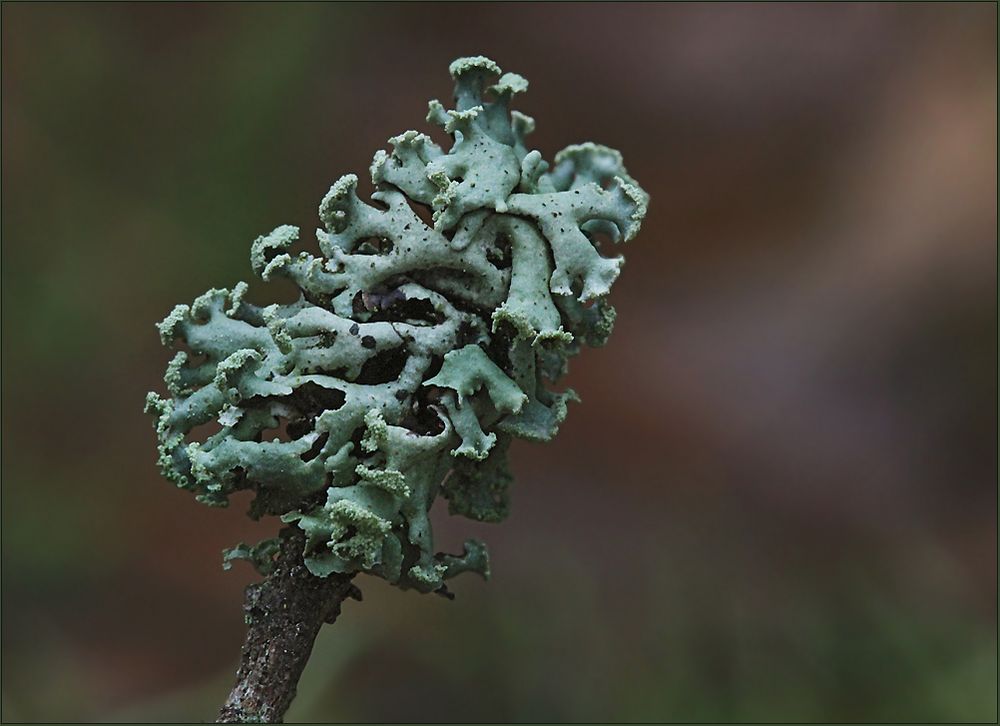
283, 614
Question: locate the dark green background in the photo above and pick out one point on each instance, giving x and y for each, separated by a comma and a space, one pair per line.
778, 499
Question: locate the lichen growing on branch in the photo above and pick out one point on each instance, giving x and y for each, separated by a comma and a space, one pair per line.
425, 337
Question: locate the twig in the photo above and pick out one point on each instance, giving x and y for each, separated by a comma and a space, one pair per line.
283, 614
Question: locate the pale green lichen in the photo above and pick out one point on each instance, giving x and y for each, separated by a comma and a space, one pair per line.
415, 352
260, 555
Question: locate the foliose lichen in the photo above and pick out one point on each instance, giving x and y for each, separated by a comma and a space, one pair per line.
424, 339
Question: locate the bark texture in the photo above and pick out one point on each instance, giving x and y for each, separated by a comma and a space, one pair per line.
283, 614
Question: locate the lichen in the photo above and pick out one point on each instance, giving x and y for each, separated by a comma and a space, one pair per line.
415, 352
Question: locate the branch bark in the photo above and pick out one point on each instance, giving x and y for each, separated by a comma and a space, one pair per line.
283, 614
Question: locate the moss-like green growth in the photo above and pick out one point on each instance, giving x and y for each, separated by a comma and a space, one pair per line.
416, 350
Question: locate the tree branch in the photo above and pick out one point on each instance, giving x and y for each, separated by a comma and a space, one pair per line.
283, 614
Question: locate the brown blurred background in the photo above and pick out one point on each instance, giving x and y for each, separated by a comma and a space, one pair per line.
778, 499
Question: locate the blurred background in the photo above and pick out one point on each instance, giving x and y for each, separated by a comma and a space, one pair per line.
778, 500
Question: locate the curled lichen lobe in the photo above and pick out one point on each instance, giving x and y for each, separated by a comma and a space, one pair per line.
426, 335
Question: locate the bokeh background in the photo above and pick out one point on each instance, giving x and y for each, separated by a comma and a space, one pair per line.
778, 500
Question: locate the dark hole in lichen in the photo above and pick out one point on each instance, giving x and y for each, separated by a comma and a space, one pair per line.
383, 367
379, 299
417, 310
498, 254
358, 303
356, 436
422, 419
320, 300
297, 428
434, 367
373, 246
316, 448
465, 334
312, 399
498, 348
409, 310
